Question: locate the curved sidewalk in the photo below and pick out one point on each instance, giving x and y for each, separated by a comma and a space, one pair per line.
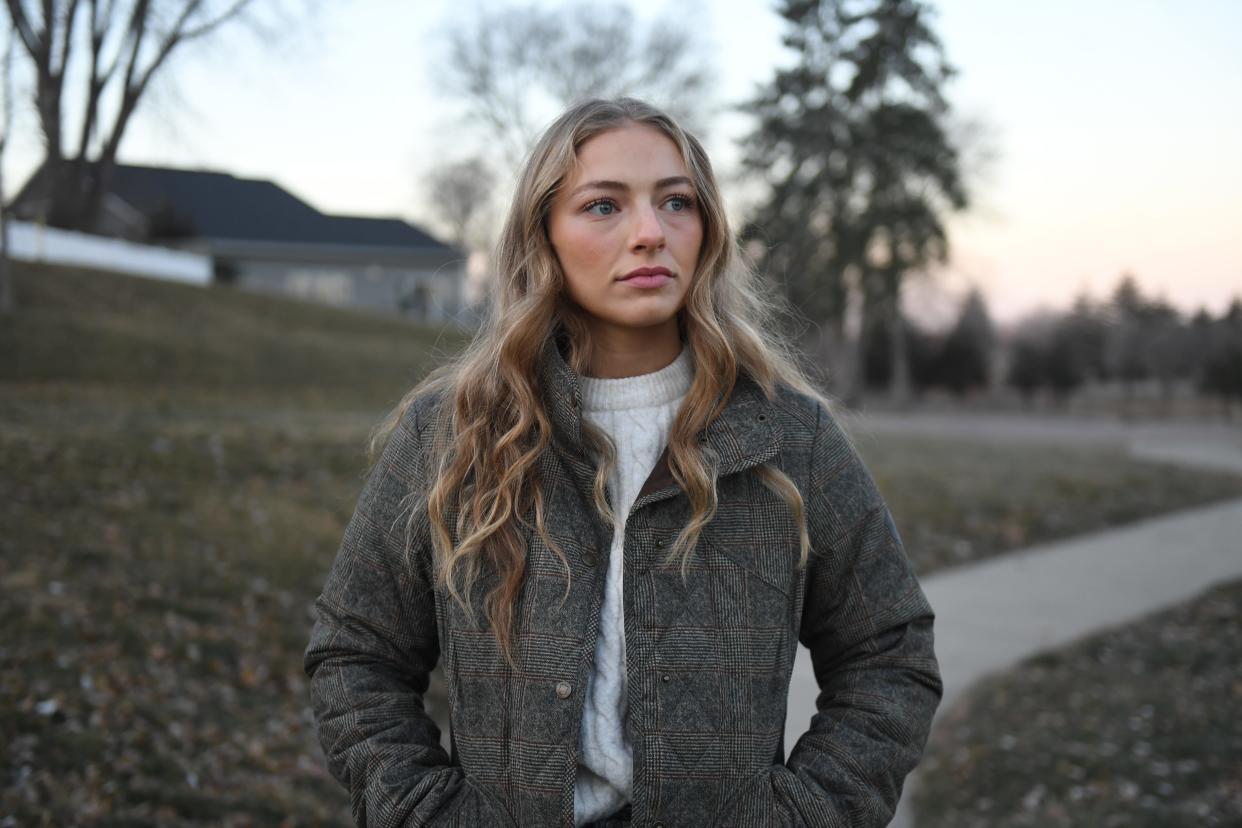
991, 615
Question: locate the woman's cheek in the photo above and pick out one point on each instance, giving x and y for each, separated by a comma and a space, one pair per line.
595, 248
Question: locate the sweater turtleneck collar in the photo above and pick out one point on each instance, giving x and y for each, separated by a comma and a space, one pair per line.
640, 391
743, 435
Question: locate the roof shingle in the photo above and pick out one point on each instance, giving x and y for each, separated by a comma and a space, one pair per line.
215, 205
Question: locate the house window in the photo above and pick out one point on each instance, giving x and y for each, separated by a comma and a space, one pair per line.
333, 287
415, 301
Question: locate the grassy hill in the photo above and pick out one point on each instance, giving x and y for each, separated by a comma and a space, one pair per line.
107, 330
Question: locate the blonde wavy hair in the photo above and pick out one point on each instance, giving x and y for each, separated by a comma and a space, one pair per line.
491, 424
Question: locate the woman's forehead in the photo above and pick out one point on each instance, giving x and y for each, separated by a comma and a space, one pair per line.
633, 154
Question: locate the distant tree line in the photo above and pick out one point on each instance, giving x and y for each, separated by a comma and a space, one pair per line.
1129, 340
958, 360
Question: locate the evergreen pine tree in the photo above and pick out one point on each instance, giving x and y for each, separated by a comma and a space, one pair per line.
966, 355
854, 144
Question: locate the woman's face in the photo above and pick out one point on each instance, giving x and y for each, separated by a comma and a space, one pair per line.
627, 231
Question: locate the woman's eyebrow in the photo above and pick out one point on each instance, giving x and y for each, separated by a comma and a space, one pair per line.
676, 180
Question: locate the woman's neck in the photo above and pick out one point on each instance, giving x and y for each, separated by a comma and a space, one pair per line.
629, 353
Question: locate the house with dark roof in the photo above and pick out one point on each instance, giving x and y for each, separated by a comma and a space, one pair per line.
261, 237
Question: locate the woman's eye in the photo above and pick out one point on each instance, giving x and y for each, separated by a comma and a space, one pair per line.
679, 203
601, 208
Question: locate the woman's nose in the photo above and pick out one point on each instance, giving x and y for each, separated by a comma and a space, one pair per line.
648, 231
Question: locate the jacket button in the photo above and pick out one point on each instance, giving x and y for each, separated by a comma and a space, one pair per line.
666, 677
563, 689
657, 824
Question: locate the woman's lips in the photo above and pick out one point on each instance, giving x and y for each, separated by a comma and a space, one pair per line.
648, 277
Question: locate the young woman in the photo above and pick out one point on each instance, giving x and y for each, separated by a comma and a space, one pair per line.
614, 517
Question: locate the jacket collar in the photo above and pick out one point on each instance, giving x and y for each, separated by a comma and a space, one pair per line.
743, 435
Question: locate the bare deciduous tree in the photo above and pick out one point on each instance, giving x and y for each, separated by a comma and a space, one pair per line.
516, 67
123, 44
461, 193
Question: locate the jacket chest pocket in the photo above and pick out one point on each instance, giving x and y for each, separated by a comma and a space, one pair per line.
734, 605
741, 575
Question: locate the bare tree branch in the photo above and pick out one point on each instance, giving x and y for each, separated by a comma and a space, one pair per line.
66, 32
103, 32
216, 22
514, 67
135, 32
95, 84
21, 23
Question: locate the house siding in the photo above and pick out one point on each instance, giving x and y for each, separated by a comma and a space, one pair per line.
421, 294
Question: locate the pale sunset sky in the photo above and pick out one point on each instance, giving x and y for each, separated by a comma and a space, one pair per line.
1117, 128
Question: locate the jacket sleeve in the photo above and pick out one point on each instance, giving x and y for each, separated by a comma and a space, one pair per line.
371, 651
868, 627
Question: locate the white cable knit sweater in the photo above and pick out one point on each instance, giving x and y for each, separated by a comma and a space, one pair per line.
637, 413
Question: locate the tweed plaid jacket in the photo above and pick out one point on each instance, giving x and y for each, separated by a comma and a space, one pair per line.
709, 656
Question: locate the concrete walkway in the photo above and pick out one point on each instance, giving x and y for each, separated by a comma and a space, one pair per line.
1209, 445
991, 615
